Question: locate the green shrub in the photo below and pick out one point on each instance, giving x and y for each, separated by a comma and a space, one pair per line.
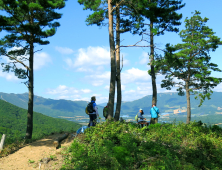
121, 145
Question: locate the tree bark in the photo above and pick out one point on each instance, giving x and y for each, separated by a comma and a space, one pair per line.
2, 142
113, 63
31, 94
153, 76
57, 141
118, 77
188, 103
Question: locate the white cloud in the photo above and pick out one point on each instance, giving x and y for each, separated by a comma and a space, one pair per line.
92, 59
97, 83
68, 62
41, 59
123, 87
105, 75
92, 56
106, 87
86, 90
62, 90
143, 88
82, 99
69, 93
129, 91
98, 79
102, 99
144, 59
64, 50
218, 88
125, 61
133, 75
8, 76
87, 70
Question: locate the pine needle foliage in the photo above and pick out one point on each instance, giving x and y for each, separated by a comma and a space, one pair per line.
190, 62
26, 23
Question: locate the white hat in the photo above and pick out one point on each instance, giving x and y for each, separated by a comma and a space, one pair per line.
141, 109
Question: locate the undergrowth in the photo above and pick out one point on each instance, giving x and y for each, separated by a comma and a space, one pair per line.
117, 146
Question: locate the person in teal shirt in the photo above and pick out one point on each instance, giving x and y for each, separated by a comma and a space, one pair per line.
154, 111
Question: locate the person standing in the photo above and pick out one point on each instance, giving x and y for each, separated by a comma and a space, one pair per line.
93, 111
105, 111
154, 111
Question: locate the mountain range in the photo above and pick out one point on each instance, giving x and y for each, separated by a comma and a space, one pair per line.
167, 103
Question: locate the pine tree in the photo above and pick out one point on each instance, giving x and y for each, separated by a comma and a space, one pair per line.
189, 62
121, 25
163, 17
27, 23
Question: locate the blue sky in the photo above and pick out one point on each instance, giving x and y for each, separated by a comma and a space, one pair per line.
76, 63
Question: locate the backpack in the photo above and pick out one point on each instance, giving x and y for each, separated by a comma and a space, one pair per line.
89, 108
136, 118
105, 111
86, 110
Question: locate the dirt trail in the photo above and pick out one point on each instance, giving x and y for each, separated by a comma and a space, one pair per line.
24, 157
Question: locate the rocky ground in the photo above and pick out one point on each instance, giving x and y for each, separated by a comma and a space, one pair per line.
40, 154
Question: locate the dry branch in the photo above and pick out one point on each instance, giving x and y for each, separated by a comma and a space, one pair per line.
57, 141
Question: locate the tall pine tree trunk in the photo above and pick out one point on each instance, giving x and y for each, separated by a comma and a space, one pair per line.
113, 63
31, 94
188, 103
118, 78
153, 76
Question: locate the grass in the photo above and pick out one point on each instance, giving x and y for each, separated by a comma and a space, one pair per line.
53, 157
31, 161
121, 145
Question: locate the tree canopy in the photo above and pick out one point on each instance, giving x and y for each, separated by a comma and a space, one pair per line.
27, 23
188, 65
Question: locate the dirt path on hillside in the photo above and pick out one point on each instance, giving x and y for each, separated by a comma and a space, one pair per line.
28, 157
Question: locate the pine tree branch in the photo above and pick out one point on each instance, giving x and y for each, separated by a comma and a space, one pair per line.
117, 6
38, 50
9, 11
163, 29
13, 58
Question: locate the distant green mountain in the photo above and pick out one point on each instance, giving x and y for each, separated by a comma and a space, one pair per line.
168, 100
49, 107
167, 103
13, 121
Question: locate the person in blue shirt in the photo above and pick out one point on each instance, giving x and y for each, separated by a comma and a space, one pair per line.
93, 116
154, 111
140, 116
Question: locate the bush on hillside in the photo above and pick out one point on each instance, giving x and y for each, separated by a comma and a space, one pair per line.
118, 145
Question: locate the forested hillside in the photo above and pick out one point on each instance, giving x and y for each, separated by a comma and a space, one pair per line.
49, 107
13, 122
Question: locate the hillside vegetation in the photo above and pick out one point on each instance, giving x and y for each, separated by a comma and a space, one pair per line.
49, 107
117, 146
13, 122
